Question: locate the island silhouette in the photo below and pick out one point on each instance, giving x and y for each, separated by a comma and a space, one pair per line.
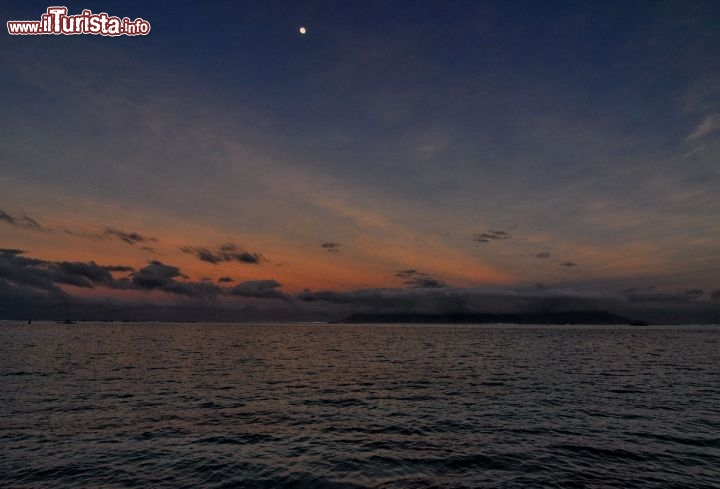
559, 317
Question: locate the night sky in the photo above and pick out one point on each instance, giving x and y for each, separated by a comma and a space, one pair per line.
424, 156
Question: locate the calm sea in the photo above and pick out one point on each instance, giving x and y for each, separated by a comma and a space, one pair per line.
209, 405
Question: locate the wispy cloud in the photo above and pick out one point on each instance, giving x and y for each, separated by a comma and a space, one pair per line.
491, 235
413, 278
228, 252
331, 247
108, 232
129, 237
20, 221
259, 289
708, 125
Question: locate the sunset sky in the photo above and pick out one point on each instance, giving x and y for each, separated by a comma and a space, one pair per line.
476, 152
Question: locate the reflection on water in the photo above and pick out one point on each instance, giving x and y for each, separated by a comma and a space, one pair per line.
161, 405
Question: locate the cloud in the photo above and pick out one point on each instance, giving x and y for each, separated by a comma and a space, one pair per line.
331, 247
82, 274
155, 275
371, 299
227, 252
27, 273
708, 125
32, 284
30, 276
260, 289
47, 276
22, 221
694, 293
159, 276
43, 275
119, 268
491, 235
415, 279
460, 300
529, 300
651, 296
107, 232
542, 254
129, 237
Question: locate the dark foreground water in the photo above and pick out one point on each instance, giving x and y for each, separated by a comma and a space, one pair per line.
169, 405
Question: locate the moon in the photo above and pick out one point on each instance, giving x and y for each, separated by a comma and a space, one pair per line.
302, 30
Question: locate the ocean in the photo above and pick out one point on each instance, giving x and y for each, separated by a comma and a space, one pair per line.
358, 406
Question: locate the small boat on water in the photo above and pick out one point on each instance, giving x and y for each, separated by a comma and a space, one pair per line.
66, 321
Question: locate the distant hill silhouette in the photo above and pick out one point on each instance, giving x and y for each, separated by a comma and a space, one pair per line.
564, 317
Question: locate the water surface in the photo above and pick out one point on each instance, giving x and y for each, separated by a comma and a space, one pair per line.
210, 405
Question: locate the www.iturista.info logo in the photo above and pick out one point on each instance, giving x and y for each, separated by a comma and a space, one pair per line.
57, 21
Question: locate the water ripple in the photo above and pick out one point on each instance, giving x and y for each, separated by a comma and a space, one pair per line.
351, 406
